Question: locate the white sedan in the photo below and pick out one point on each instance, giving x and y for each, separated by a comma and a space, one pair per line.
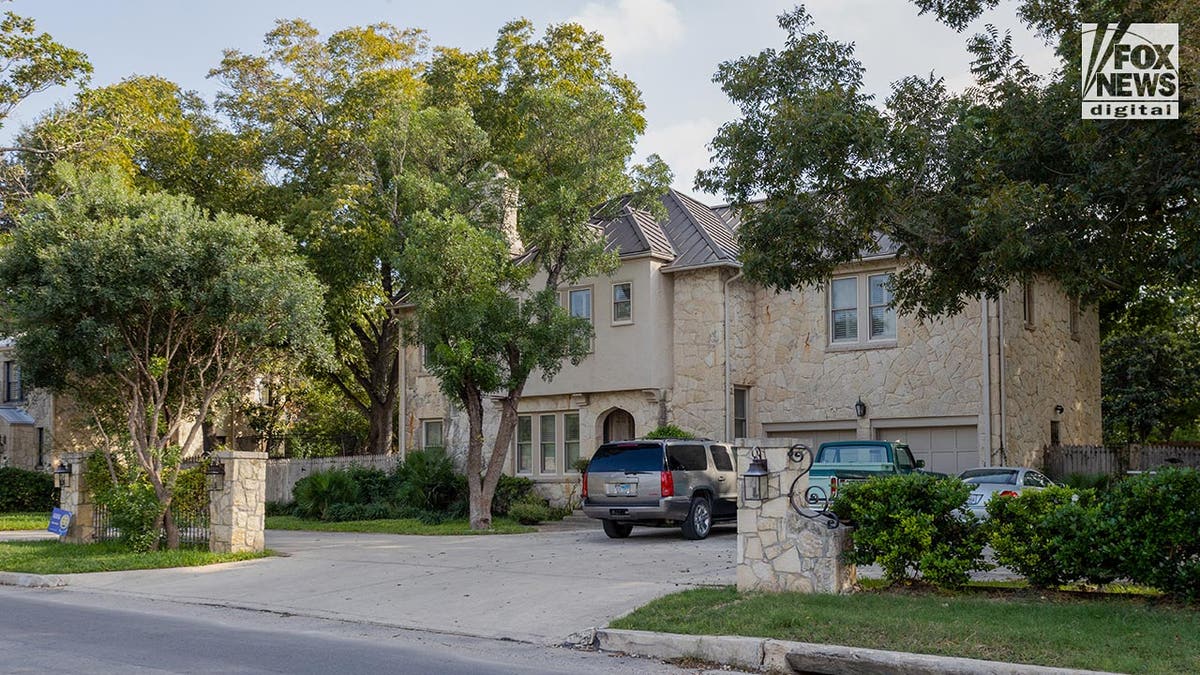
1005, 481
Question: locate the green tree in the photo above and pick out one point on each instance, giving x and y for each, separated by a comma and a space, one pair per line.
150, 305
358, 157
160, 136
562, 125
979, 189
1150, 357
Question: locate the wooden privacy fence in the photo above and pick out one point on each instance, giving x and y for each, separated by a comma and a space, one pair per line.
1064, 460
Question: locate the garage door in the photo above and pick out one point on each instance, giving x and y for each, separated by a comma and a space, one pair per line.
818, 437
945, 449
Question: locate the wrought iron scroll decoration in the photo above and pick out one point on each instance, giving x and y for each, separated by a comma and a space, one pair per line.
802, 456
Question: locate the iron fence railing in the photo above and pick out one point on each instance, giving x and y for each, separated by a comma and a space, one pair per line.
193, 525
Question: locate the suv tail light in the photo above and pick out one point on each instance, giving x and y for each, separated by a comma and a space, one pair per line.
584, 485
666, 486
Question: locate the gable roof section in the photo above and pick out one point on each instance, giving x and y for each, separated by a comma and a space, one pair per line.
635, 232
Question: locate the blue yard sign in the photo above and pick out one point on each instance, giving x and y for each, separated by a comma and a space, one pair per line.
60, 521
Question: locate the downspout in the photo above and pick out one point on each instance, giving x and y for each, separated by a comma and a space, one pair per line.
402, 402
986, 374
1000, 384
728, 375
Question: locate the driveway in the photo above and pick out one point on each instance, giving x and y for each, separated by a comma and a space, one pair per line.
534, 587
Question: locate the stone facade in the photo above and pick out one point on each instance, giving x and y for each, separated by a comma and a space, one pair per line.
780, 550
77, 499
237, 513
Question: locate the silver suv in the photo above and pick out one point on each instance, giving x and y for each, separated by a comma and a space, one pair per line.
689, 483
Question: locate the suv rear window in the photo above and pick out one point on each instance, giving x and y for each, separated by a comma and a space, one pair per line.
687, 458
627, 457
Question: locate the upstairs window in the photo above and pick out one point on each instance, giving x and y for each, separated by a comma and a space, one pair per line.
579, 303
1027, 304
431, 435
739, 411
622, 298
14, 389
860, 310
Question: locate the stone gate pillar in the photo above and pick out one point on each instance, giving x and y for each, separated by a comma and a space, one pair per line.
237, 511
76, 497
781, 550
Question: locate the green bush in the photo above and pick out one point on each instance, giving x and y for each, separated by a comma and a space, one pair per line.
281, 508
1152, 522
1029, 541
133, 509
913, 525
342, 512
427, 480
22, 490
510, 490
375, 486
529, 512
1090, 481
318, 491
669, 431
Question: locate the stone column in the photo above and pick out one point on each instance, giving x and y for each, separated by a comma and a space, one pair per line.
237, 512
780, 550
77, 499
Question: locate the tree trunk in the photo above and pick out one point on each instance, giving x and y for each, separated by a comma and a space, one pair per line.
379, 437
480, 499
172, 530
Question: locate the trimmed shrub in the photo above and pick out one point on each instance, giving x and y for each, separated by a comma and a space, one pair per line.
318, 491
510, 490
530, 512
23, 490
913, 525
343, 512
281, 508
1152, 522
1028, 536
669, 431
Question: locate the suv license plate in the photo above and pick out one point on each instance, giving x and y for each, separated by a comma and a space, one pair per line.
621, 489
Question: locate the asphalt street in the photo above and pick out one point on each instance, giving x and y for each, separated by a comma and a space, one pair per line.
45, 631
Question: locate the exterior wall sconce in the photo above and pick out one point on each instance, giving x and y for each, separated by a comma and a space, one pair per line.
860, 408
62, 475
754, 481
214, 475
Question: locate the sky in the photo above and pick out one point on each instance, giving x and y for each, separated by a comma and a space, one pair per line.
670, 48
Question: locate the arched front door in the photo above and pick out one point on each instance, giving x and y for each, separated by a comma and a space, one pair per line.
618, 426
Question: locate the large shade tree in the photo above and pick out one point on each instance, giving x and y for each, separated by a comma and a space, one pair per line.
978, 188
562, 125
146, 304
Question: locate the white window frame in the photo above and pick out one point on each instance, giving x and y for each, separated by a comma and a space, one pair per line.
425, 433
517, 468
568, 460
862, 313
541, 442
613, 305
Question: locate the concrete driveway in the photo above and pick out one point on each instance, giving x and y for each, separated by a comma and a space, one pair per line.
534, 587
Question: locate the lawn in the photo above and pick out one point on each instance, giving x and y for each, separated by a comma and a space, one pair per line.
1129, 635
53, 557
395, 526
24, 521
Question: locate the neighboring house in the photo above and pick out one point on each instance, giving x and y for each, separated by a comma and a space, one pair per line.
681, 337
28, 418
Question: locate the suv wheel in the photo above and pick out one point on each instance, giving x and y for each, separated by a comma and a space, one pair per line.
699, 519
616, 530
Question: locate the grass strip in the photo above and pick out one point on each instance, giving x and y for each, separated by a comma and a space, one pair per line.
1128, 635
24, 521
396, 526
54, 557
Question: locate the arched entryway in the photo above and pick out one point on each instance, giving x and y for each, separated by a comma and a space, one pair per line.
618, 426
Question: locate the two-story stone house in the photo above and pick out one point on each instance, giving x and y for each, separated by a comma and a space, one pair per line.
682, 337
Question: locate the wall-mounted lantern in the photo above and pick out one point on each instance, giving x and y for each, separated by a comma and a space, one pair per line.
214, 475
860, 408
62, 475
756, 478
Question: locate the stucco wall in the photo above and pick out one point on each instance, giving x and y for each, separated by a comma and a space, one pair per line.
1045, 366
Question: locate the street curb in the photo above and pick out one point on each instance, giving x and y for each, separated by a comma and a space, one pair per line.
31, 580
784, 656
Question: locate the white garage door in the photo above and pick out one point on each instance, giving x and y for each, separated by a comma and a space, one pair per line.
818, 437
945, 449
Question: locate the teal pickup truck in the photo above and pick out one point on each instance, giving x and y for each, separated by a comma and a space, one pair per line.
840, 462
